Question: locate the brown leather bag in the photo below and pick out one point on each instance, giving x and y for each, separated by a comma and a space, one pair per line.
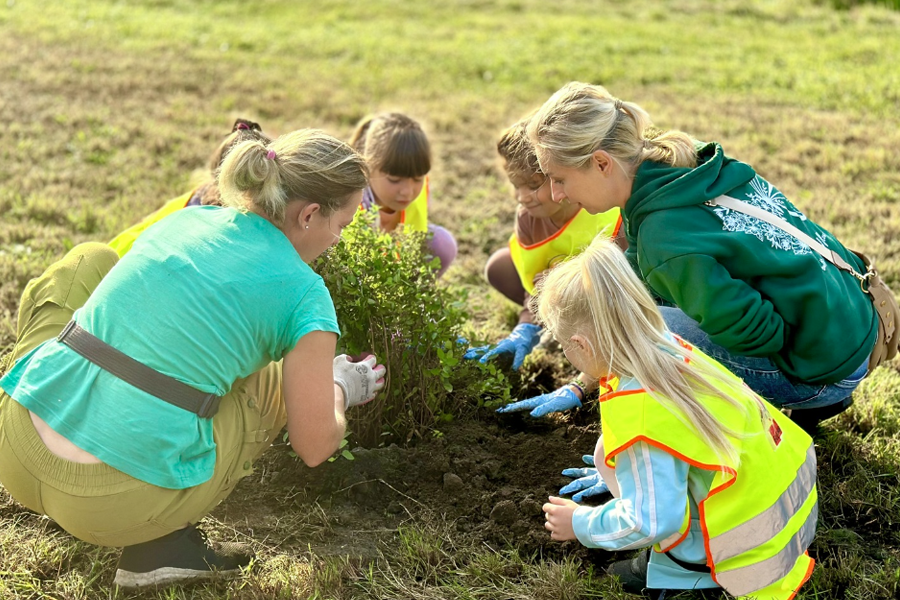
887, 342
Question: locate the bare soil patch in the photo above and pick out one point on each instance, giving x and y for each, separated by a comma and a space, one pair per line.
483, 480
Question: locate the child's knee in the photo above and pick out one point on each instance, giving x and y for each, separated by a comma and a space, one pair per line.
499, 268
49, 300
97, 259
443, 246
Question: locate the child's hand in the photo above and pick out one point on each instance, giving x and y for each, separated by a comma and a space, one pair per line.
590, 483
557, 401
519, 343
559, 518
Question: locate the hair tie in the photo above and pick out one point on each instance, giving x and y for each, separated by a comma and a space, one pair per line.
244, 124
618, 104
647, 145
271, 155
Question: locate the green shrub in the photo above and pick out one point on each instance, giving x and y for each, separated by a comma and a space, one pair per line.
388, 303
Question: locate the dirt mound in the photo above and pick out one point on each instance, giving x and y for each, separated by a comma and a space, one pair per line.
485, 480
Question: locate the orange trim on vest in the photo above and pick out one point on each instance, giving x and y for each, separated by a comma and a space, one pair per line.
678, 455
812, 563
562, 229
693, 463
612, 395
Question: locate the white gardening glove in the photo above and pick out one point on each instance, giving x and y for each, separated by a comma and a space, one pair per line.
359, 381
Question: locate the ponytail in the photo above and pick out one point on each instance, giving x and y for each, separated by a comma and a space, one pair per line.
674, 148
241, 131
580, 119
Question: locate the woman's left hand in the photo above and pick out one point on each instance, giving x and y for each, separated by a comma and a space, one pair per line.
559, 513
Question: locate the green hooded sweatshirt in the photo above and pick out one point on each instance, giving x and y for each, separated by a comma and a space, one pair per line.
754, 289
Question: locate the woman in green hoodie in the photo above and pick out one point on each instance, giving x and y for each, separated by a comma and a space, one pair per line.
798, 330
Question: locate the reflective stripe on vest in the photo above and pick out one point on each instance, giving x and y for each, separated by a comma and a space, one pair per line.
760, 515
751, 534
416, 214
123, 242
745, 580
572, 238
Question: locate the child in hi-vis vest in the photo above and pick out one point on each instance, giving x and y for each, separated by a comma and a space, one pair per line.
399, 158
720, 483
545, 233
207, 193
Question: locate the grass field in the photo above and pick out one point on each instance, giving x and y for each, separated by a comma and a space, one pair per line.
108, 108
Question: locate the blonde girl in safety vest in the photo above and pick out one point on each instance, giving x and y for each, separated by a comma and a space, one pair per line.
399, 157
204, 194
545, 233
720, 483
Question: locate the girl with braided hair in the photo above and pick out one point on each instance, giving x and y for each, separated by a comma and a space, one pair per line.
206, 193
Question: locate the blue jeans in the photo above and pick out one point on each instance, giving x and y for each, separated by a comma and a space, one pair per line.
761, 374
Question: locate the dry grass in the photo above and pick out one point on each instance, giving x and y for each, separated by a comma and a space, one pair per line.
108, 108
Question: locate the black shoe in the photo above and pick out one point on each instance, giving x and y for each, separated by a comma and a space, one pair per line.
632, 573
809, 418
182, 555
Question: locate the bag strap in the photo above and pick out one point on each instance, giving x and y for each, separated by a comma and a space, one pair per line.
137, 373
776, 221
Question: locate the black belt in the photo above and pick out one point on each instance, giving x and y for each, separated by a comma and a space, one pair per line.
137, 373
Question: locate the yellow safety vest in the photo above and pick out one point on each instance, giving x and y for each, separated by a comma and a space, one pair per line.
123, 242
575, 236
760, 515
416, 214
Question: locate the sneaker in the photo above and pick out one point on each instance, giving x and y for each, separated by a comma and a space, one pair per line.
183, 555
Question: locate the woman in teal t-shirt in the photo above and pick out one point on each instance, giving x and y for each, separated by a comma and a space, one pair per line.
126, 457
798, 330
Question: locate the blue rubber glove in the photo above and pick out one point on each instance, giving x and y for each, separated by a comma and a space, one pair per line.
557, 401
589, 482
519, 343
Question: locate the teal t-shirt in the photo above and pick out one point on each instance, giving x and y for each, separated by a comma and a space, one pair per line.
207, 295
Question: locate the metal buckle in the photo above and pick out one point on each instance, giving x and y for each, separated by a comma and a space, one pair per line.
209, 407
66, 330
864, 279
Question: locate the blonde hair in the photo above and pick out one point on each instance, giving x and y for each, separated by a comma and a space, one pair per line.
580, 119
306, 165
394, 144
514, 147
598, 296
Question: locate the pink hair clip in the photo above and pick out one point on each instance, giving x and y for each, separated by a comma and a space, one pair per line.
271, 155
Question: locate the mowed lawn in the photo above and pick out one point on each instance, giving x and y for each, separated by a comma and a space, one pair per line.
107, 109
